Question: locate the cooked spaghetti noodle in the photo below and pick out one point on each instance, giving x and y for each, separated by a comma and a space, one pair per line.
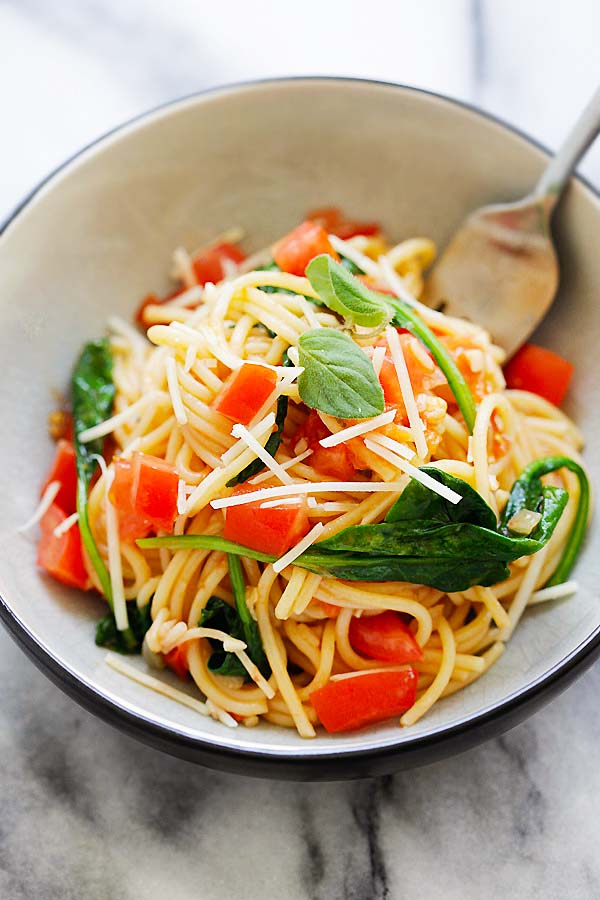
166, 387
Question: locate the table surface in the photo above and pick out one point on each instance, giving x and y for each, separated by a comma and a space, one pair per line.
89, 814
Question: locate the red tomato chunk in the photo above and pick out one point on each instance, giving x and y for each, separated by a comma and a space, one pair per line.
272, 529
385, 637
360, 700
62, 557
294, 251
540, 371
246, 390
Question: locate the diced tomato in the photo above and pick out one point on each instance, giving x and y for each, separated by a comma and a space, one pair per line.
359, 700
540, 371
155, 486
208, 264
245, 392
423, 372
144, 492
272, 529
62, 557
63, 470
294, 251
132, 524
333, 221
177, 660
334, 461
384, 637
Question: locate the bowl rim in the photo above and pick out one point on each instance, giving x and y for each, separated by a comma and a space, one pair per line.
339, 761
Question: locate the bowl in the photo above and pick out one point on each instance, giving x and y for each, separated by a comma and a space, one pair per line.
97, 234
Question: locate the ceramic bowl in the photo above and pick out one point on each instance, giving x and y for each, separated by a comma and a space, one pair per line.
97, 235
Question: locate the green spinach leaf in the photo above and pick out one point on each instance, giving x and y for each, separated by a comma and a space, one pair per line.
108, 635
338, 378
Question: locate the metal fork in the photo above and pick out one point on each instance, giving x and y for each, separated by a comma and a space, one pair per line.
500, 268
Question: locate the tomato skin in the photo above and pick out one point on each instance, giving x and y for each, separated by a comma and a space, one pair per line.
63, 469
424, 374
245, 392
385, 636
359, 700
334, 461
294, 251
208, 264
332, 219
62, 557
176, 659
272, 530
540, 371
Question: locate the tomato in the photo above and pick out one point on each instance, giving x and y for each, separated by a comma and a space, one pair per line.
332, 219
540, 371
272, 529
144, 493
63, 470
359, 700
294, 251
337, 462
209, 265
424, 374
177, 660
62, 557
385, 636
245, 392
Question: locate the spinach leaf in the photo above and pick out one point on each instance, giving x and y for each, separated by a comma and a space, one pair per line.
346, 295
338, 378
427, 540
108, 635
92, 397
238, 623
526, 493
274, 441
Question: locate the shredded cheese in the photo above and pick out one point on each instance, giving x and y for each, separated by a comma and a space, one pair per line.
308, 487
416, 425
377, 359
300, 547
264, 476
68, 523
127, 415
353, 431
414, 472
394, 446
43, 506
181, 496
160, 687
344, 248
556, 592
257, 431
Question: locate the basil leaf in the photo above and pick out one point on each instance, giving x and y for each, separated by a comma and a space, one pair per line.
345, 295
338, 378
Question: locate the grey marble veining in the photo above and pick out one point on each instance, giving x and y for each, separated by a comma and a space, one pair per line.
88, 814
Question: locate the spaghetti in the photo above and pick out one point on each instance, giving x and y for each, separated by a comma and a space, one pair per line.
268, 640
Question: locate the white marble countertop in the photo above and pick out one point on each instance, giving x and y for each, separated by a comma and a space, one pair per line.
87, 813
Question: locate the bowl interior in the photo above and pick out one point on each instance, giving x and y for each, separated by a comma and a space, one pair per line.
100, 233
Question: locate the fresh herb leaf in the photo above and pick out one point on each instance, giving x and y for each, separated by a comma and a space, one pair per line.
238, 623
346, 295
338, 378
108, 635
427, 540
526, 493
350, 266
92, 397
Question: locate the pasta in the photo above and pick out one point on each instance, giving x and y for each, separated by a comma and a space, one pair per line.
332, 472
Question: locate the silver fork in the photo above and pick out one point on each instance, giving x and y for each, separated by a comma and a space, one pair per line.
500, 268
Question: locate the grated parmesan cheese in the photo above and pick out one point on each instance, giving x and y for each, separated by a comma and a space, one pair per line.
377, 359
43, 506
353, 431
160, 687
414, 472
68, 523
408, 394
556, 592
394, 446
264, 476
308, 487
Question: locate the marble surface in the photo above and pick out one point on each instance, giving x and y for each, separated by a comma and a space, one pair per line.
89, 814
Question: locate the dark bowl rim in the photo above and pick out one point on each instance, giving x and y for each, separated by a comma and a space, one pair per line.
338, 762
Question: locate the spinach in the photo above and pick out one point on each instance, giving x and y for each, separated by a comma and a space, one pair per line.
349, 297
346, 295
526, 493
238, 623
92, 398
427, 540
107, 634
338, 378
274, 441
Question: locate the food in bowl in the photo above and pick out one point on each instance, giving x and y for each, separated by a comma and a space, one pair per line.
319, 500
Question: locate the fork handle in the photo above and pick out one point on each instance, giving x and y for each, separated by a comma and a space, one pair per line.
558, 172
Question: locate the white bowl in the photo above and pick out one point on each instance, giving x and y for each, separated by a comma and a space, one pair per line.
97, 235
